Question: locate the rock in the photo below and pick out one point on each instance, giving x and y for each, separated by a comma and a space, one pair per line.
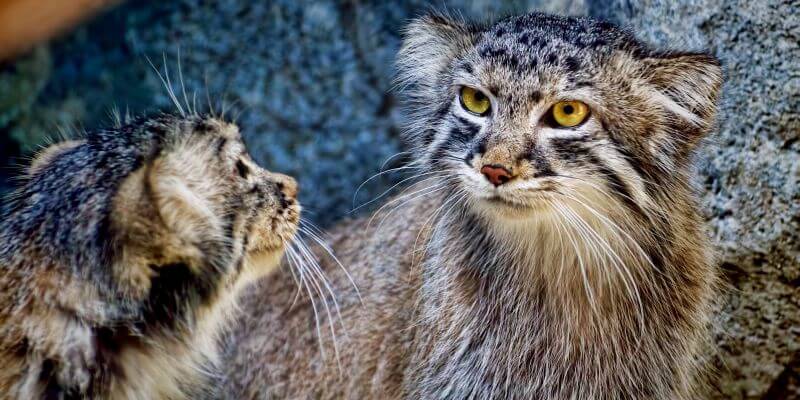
751, 176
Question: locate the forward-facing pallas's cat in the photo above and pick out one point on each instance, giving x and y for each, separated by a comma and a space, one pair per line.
120, 256
552, 250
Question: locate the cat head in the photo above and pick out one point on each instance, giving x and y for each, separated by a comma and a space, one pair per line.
157, 216
537, 110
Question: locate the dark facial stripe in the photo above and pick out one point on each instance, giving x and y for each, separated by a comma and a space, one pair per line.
439, 155
464, 132
539, 160
572, 151
478, 147
221, 142
634, 161
428, 136
458, 135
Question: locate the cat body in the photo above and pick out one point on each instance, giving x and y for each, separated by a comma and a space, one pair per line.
121, 254
552, 248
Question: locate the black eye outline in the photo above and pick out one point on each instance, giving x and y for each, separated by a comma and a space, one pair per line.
478, 92
242, 169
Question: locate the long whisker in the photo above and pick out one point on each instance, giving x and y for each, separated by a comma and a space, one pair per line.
166, 84
409, 196
291, 253
387, 191
183, 87
596, 187
455, 199
382, 172
316, 238
586, 284
292, 267
614, 225
392, 157
314, 271
303, 247
169, 86
594, 239
621, 266
627, 278
408, 200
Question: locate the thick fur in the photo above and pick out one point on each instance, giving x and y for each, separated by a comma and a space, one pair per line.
121, 254
587, 276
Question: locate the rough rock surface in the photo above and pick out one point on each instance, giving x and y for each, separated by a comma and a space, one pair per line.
311, 84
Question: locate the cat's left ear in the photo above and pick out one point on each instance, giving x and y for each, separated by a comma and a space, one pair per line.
163, 217
687, 85
430, 43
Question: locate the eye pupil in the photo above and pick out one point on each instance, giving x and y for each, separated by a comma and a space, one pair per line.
568, 109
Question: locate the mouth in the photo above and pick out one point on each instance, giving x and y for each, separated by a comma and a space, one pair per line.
500, 201
529, 203
275, 231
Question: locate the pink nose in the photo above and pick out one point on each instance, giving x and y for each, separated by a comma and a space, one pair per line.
496, 174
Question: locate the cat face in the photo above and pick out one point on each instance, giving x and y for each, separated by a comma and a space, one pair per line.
209, 204
536, 110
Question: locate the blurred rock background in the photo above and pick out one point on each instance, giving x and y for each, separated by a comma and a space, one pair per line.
310, 83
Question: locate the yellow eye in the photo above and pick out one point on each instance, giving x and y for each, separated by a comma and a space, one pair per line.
570, 113
474, 101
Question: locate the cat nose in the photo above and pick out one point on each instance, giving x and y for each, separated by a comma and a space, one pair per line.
496, 174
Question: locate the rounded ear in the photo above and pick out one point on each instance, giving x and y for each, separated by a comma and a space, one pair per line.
162, 215
687, 85
430, 43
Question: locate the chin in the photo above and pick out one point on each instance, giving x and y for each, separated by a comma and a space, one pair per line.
260, 263
507, 210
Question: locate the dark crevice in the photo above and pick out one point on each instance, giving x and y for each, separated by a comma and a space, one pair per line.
786, 385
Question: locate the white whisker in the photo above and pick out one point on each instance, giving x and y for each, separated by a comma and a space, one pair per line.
317, 275
183, 87
316, 238
387, 191
166, 83
382, 172
292, 254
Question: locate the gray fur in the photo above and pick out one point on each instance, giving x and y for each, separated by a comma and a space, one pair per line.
587, 276
121, 252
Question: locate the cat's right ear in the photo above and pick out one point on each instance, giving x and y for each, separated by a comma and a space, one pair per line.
430, 44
